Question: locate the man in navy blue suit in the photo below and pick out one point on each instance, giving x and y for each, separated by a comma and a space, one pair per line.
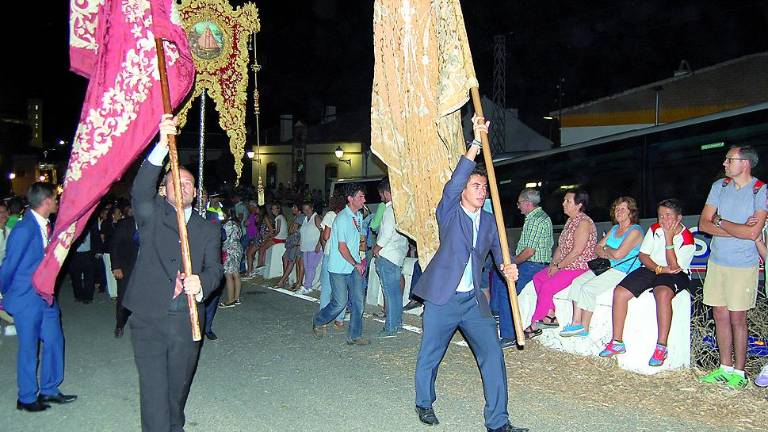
453, 298
36, 321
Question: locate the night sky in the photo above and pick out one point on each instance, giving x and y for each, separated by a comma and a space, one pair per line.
319, 52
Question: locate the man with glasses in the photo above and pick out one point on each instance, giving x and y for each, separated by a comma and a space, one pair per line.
730, 286
533, 253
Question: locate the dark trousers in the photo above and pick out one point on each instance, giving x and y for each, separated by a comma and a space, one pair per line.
81, 271
211, 305
440, 323
121, 313
166, 358
526, 271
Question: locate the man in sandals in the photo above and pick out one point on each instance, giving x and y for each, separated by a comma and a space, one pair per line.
450, 287
730, 286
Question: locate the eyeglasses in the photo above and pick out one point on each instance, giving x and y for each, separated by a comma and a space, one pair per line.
731, 159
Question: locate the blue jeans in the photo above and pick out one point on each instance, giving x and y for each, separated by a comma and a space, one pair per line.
525, 271
389, 275
345, 286
325, 288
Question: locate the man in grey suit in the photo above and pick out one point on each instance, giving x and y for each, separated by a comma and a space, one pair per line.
161, 334
450, 287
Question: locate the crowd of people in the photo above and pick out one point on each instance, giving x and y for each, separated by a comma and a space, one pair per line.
629, 263
331, 249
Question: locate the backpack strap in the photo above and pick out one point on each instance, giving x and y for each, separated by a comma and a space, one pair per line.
758, 184
755, 188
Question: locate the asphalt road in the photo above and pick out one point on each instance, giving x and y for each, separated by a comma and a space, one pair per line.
266, 372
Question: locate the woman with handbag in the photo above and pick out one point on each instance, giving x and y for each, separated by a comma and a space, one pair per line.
576, 246
616, 257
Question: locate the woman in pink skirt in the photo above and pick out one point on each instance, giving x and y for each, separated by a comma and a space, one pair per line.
575, 248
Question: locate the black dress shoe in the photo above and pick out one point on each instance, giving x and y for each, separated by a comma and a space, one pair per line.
35, 406
59, 398
508, 428
427, 416
118, 332
413, 304
211, 335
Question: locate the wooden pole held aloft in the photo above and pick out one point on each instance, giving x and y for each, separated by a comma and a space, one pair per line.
487, 157
180, 219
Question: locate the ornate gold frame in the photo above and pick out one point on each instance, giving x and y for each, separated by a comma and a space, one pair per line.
225, 78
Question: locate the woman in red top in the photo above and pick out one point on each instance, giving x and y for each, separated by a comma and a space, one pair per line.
575, 248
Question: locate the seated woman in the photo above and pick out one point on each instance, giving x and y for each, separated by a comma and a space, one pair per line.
666, 254
575, 248
278, 234
620, 246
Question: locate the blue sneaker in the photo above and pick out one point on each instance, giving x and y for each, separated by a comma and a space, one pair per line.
572, 330
659, 355
612, 348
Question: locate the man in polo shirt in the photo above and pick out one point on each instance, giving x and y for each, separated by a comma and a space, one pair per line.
533, 253
730, 286
346, 266
390, 250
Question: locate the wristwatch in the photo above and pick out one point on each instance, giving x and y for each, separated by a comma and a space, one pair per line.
718, 220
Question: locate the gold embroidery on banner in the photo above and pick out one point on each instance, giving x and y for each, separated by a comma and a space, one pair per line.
422, 76
225, 79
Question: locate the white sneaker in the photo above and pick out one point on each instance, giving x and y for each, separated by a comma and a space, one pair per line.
762, 379
10, 330
303, 290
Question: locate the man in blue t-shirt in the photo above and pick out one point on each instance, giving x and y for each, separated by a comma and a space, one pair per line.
730, 286
346, 266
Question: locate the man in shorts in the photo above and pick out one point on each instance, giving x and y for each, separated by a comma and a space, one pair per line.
730, 286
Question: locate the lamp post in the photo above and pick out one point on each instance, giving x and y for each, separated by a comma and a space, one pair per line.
340, 154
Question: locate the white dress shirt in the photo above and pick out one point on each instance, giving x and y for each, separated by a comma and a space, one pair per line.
394, 246
43, 223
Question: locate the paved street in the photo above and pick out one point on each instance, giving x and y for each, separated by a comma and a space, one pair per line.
267, 373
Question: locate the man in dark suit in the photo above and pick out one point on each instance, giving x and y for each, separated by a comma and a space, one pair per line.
82, 264
36, 321
161, 334
123, 249
450, 287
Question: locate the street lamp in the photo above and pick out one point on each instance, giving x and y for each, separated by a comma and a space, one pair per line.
250, 154
340, 154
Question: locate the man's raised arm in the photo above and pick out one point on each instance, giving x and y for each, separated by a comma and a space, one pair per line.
144, 186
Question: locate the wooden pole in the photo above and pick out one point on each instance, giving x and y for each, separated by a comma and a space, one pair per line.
180, 219
499, 219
